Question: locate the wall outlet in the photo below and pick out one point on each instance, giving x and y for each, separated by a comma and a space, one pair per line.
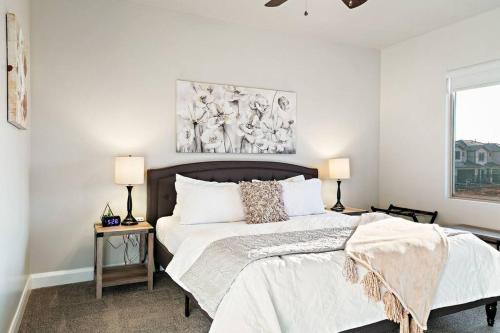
140, 219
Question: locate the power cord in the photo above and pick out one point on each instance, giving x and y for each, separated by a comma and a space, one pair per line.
128, 241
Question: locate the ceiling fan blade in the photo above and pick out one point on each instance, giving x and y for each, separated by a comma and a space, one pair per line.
275, 3
353, 3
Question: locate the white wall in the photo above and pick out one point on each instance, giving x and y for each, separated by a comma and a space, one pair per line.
104, 77
14, 184
413, 118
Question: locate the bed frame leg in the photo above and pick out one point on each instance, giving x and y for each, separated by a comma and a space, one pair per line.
187, 312
491, 312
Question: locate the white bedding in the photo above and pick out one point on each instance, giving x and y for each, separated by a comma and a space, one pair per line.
307, 292
171, 233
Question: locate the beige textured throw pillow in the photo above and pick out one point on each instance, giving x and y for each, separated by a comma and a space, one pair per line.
263, 202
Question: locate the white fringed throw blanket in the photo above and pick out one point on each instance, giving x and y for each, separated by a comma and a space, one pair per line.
404, 262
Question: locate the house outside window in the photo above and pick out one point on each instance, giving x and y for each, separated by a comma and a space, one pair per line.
475, 132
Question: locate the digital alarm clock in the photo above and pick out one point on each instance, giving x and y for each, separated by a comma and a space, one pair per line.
110, 221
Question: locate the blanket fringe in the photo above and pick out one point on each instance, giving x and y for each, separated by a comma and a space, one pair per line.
414, 328
409, 325
371, 285
404, 326
393, 308
350, 270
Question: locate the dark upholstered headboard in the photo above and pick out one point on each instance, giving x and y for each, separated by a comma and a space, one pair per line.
161, 182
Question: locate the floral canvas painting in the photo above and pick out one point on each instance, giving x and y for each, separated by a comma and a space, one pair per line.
17, 74
215, 118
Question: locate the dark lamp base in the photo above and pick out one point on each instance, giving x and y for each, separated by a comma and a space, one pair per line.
338, 207
129, 220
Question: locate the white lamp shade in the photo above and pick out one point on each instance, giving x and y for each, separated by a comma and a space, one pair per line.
129, 170
339, 168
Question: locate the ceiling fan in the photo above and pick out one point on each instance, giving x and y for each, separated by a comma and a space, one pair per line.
349, 3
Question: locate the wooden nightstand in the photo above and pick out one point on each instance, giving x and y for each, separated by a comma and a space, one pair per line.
353, 211
117, 275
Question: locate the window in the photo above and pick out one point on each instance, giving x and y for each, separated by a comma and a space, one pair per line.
474, 106
476, 133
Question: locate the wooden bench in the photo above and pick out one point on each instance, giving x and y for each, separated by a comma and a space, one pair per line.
487, 235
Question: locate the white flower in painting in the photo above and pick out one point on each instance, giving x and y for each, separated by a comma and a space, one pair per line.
250, 130
212, 139
274, 131
259, 104
185, 136
261, 144
283, 103
233, 94
273, 127
203, 96
221, 115
280, 146
194, 114
283, 112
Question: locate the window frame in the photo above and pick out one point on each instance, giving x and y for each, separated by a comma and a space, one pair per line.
452, 93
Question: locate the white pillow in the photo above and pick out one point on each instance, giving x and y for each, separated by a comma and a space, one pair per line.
179, 181
299, 178
210, 203
303, 198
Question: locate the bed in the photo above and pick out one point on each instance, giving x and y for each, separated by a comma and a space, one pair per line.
161, 202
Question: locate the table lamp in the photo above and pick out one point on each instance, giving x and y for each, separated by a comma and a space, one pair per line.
129, 171
339, 169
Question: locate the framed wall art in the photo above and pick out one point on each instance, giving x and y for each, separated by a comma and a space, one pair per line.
218, 118
17, 74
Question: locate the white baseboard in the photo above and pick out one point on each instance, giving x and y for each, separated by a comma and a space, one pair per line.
48, 279
21, 306
56, 278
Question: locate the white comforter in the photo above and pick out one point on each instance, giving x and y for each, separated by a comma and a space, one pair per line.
307, 292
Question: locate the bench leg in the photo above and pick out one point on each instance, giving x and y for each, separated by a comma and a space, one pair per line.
491, 312
186, 307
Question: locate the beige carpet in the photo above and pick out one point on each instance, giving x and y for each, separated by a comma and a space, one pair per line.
73, 308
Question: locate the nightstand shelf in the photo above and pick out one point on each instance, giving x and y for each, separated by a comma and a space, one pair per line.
115, 276
125, 274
